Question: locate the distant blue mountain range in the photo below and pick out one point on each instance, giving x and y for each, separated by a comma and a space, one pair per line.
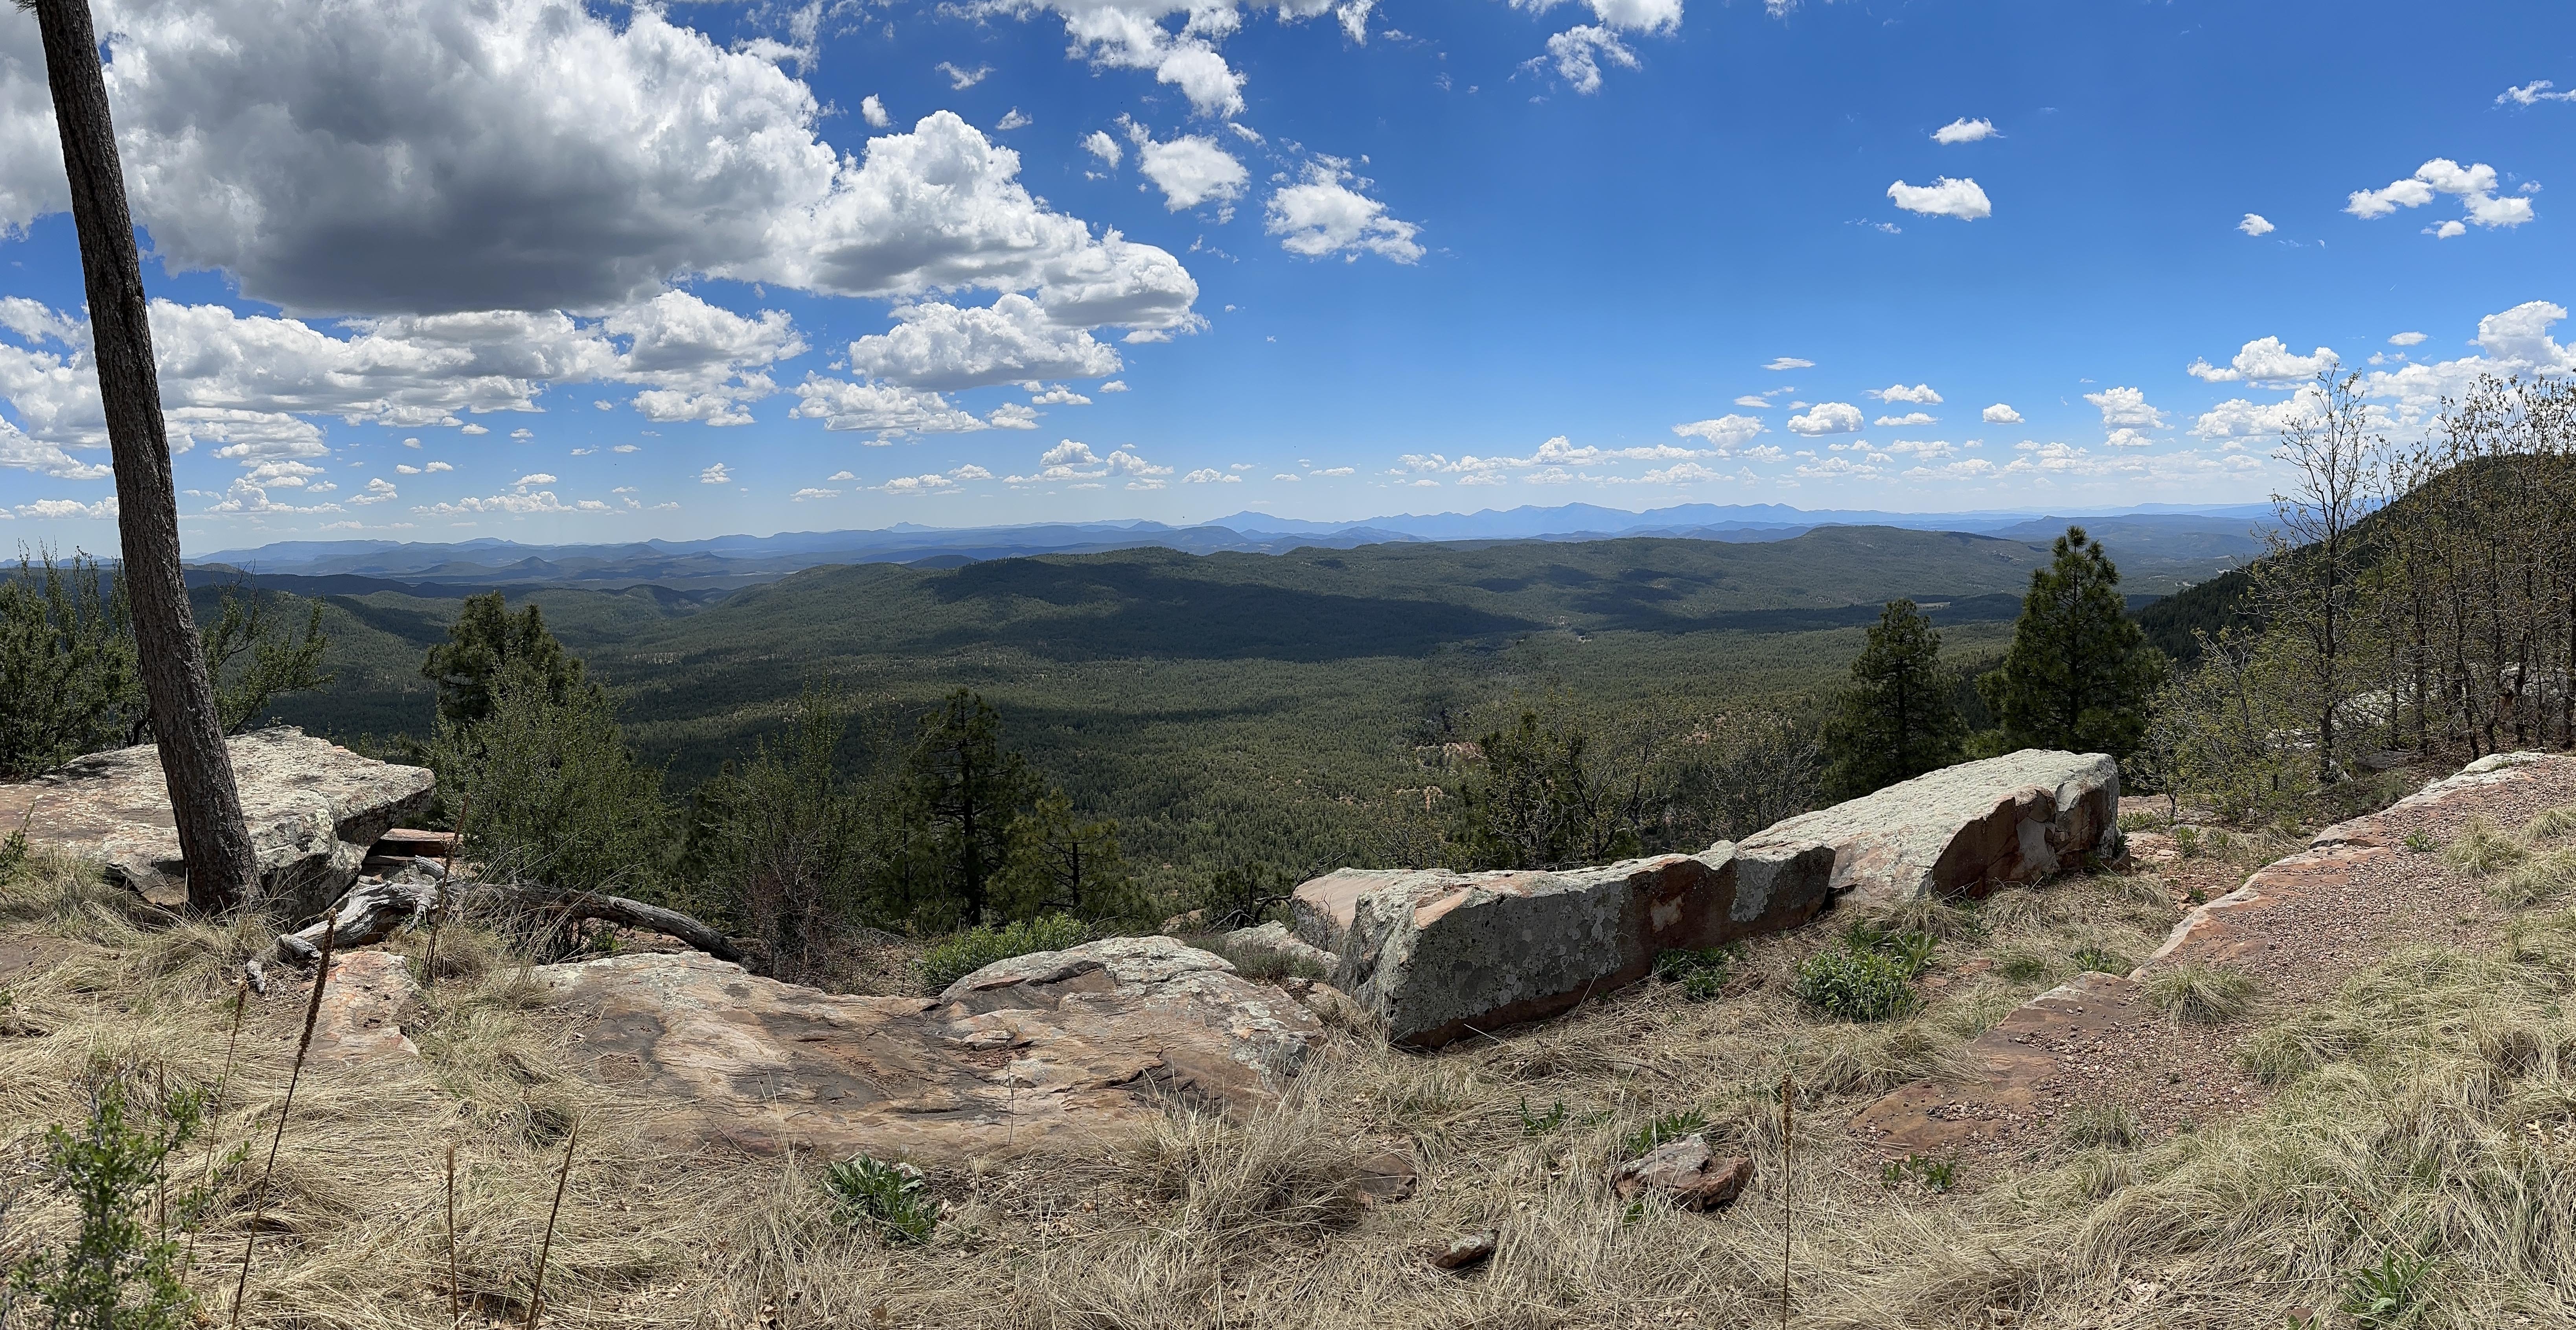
2175, 538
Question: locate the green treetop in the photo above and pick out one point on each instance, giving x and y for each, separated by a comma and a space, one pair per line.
2079, 674
1899, 719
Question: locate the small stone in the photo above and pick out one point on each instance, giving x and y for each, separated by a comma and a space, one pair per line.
1685, 1173
1464, 1252
1385, 1177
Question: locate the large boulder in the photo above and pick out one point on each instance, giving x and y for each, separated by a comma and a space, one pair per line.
1964, 830
1059, 1047
313, 808
1438, 955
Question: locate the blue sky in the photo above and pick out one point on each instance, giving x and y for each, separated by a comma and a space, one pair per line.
550, 273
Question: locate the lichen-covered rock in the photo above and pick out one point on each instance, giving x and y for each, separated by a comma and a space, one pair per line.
1274, 940
1964, 830
313, 809
1058, 1047
1438, 955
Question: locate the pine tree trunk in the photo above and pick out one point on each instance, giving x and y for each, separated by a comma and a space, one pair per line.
207, 807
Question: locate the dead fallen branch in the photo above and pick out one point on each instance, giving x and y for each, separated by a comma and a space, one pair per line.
376, 907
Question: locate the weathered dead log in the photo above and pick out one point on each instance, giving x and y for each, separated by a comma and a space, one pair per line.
612, 909
376, 907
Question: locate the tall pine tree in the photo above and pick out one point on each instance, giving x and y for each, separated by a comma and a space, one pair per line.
1900, 718
2080, 672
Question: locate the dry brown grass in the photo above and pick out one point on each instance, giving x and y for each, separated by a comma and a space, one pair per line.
2431, 1101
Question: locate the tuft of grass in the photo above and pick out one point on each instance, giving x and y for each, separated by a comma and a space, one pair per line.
2141, 820
2555, 824
2088, 1126
1702, 974
2200, 994
2480, 849
2023, 966
959, 955
1855, 985
2535, 881
890, 1199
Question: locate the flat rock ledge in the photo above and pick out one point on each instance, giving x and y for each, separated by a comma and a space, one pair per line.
1438, 956
1056, 1049
1964, 830
2021, 1065
313, 807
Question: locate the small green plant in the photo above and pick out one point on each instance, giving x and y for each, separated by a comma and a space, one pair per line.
2141, 819
1913, 951
2418, 842
2195, 895
1663, 1129
2086, 1126
958, 956
1931, 1173
13, 852
1702, 974
2187, 840
1855, 985
121, 1270
2382, 1294
2097, 961
869, 1193
1540, 1124
2201, 994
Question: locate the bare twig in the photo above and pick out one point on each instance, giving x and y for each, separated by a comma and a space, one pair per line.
312, 1012
447, 880
537, 1293
1788, 1113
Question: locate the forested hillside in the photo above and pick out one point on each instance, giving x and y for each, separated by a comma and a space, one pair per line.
1226, 708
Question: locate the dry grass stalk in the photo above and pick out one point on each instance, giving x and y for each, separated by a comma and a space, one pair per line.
215, 1110
446, 892
455, 1292
1788, 1111
537, 1291
303, 1045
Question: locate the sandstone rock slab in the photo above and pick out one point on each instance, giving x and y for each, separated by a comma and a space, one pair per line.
1438, 955
1964, 830
1056, 1048
364, 1007
1274, 940
313, 808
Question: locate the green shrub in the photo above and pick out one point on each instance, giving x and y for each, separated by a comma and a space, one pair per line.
119, 1272
2200, 994
955, 957
1855, 985
891, 1199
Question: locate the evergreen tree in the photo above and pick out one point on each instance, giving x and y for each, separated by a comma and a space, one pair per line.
1900, 718
1060, 864
958, 794
2080, 672
484, 639
1542, 804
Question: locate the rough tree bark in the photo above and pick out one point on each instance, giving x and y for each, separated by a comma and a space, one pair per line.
212, 835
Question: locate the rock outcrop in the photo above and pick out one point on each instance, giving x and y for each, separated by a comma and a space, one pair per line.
1055, 1047
1964, 830
1274, 940
313, 809
1439, 955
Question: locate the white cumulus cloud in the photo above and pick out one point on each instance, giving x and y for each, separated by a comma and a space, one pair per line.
2265, 360
1944, 197
2001, 413
1725, 433
1920, 394
1964, 130
2126, 406
1827, 418
1327, 214
2474, 186
943, 346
